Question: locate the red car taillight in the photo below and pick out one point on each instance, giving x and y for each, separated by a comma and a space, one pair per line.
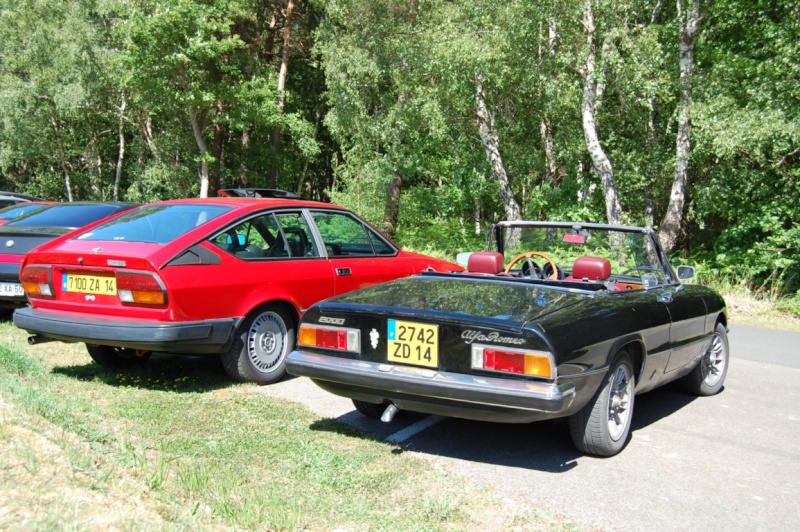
140, 287
36, 281
338, 338
523, 362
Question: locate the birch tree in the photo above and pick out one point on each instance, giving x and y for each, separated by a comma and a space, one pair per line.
690, 22
601, 162
491, 145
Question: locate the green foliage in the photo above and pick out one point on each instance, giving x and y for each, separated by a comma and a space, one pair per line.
159, 181
790, 305
384, 89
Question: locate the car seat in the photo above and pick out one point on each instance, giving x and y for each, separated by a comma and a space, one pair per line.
489, 262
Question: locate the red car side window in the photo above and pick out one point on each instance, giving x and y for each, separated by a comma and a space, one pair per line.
344, 235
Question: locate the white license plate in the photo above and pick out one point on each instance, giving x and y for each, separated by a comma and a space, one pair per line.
11, 289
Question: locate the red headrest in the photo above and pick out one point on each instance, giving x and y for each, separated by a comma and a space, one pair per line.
485, 262
591, 268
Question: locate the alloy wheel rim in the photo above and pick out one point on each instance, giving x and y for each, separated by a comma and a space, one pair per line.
712, 364
619, 397
266, 341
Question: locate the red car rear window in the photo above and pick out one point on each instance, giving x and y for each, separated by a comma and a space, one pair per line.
157, 224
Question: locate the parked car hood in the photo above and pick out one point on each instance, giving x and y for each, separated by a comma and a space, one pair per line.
513, 302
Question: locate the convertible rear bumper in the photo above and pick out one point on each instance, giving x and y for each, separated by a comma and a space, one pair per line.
435, 392
193, 337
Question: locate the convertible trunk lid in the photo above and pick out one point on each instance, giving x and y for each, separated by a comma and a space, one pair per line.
512, 303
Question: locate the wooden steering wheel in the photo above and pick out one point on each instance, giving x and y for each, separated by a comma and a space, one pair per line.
527, 256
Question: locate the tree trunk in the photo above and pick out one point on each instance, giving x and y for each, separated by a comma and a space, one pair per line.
600, 160
243, 165
201, 144
219, 140
551, 164
491, 144
276, 133
551, 167
690, 23
63, 156
392, 212
146, 126
121, 151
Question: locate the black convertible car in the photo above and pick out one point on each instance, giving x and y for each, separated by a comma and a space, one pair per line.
557, 320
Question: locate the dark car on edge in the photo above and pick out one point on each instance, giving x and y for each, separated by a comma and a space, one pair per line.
38, 226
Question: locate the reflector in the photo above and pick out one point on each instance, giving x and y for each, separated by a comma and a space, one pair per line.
338, 338
35, 281
140, 287
533, 363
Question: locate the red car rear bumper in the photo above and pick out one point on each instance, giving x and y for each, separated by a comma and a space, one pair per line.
194, 337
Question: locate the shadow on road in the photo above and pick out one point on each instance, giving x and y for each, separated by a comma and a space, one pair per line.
543, 446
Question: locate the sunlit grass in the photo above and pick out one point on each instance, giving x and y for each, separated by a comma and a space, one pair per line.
174, 444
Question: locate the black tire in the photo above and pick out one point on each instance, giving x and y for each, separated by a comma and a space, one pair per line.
708, 376
370, 410
263, 340
603, 426
116, 357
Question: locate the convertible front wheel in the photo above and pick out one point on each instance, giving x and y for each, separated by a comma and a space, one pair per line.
603, 426
709, 374
263, 340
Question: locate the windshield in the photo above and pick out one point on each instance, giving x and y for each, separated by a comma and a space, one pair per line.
627, 255
157, 224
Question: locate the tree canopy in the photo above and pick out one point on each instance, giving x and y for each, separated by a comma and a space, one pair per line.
430, 118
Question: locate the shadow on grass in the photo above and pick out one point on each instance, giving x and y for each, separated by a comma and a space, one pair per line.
543, 446
161, 372
337, 426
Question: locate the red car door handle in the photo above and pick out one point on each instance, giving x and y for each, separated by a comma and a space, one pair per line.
343, 271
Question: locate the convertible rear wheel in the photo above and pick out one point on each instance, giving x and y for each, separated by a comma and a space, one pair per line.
116, 357
263, 340
709, 374
602, 426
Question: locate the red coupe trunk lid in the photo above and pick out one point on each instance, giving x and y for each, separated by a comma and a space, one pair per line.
128, 255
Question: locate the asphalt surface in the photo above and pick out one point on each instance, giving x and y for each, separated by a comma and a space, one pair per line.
727, 462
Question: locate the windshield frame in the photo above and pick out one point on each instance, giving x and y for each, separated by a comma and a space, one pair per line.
497, 234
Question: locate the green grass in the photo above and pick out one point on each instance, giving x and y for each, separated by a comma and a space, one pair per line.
173, 444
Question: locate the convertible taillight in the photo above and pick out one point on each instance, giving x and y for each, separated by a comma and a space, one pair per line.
339, 338
141, 288
523, 362
36, 281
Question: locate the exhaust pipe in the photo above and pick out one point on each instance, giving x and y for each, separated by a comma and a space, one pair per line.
37, 339
389, 413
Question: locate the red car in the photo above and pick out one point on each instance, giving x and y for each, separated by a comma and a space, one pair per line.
228, 276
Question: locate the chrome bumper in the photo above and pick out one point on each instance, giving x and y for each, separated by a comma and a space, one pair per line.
432, 391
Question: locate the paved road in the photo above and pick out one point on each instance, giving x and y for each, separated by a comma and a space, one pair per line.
728, 462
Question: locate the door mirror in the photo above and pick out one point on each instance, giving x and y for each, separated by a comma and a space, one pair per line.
685, 272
